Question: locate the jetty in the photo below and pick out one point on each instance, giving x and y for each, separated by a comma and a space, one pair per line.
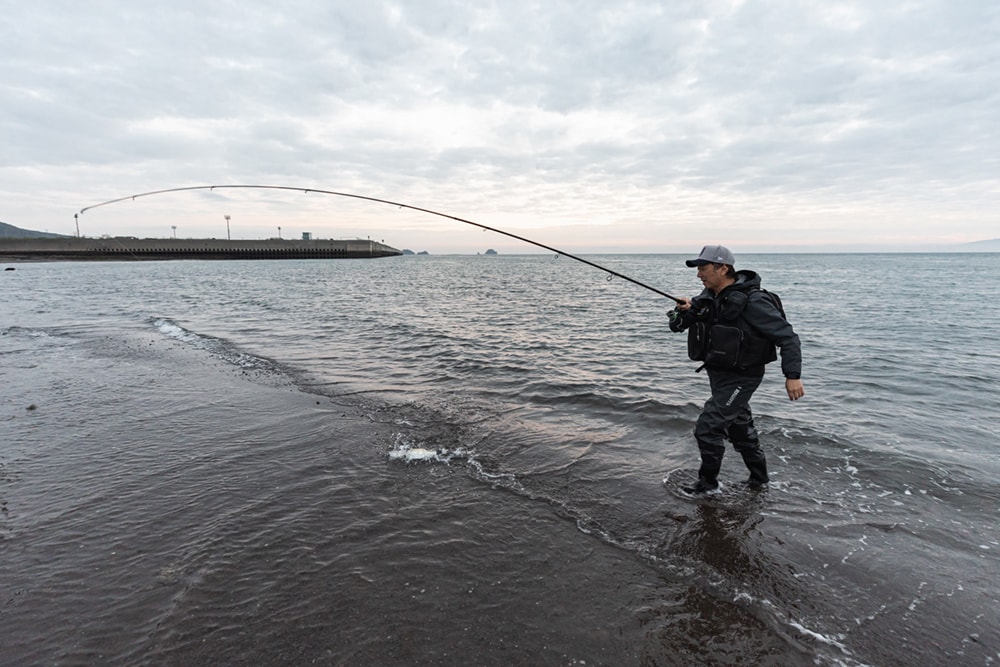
131, 249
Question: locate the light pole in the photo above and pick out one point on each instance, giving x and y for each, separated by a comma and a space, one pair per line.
174, 227
228, 237
279, 232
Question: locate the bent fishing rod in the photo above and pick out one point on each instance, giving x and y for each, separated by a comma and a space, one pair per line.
391, 203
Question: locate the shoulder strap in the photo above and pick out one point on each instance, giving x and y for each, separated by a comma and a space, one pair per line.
775, 299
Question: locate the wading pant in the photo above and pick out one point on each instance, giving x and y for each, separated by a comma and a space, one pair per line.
727, 415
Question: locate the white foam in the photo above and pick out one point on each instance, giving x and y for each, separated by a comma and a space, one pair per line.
413, 454
404, 449
818, 637
170, 329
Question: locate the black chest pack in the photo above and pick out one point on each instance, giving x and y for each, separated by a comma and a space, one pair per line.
720, 336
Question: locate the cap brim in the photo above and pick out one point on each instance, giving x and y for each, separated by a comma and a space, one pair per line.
696, 262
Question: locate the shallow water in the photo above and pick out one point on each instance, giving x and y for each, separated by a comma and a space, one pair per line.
459, 460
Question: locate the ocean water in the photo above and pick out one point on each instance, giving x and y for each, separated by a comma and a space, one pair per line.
460, 460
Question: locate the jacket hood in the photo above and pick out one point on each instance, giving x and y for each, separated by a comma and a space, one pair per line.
746, 281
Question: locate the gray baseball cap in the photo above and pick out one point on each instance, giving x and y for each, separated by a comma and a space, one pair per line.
713, 254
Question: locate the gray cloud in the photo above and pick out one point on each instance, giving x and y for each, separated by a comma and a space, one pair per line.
808, 115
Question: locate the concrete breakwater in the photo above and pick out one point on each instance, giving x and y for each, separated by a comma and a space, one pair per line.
128, 248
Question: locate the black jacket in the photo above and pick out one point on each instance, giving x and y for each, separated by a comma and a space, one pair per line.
756, 313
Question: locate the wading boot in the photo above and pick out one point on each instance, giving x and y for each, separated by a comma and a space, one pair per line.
708, 482
757, 465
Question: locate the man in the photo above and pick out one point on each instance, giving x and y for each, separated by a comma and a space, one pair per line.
733, 328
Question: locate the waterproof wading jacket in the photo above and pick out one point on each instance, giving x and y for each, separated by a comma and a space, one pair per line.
739, 328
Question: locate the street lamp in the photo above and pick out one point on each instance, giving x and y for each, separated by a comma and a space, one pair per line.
228, 237
279, 232
174, 227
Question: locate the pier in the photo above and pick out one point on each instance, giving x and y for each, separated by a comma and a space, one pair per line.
130, 249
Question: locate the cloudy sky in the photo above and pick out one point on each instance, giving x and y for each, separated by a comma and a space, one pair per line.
590, 126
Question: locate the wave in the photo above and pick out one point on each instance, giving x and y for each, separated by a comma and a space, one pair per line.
217, 347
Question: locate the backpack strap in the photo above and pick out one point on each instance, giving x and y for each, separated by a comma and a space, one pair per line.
775, 299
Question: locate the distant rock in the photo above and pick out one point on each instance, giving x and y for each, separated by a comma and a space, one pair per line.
408, 252
423, 252
491, 251
988, 245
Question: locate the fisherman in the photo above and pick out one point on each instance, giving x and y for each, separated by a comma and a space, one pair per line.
733, 328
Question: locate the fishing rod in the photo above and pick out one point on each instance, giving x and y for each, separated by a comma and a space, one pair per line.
391, 203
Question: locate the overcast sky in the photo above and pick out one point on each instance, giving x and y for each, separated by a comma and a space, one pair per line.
591, 126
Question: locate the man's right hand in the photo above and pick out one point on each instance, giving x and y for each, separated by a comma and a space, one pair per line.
684, 304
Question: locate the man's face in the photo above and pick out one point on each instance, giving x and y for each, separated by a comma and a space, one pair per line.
712, 276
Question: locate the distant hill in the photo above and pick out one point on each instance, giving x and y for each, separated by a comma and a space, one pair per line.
12, 232
989, 245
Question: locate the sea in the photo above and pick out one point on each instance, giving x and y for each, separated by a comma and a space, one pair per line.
474, 460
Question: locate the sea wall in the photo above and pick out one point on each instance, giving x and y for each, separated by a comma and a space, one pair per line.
128, 248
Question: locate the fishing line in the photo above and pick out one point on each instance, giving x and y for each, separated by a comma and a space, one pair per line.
391, 203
